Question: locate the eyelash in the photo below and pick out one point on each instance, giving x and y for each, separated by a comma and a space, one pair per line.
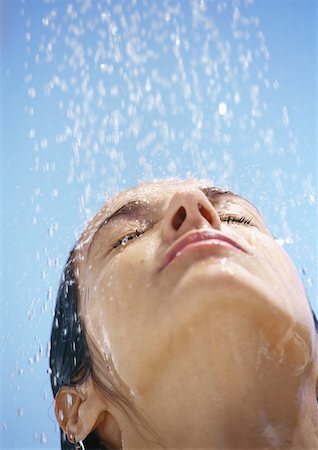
124, 240
242, 220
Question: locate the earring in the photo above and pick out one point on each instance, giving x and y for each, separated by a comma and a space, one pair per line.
79, 445
72, 439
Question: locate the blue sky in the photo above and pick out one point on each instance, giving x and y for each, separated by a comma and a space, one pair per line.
95, 99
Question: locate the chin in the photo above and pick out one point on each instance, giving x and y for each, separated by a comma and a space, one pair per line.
231, 293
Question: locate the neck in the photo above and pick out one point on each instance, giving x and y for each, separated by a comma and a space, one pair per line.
228, 395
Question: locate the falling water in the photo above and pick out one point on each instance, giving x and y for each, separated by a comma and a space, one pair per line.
119, 92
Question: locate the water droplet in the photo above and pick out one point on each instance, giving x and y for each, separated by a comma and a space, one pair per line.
237, 98
32, 133
276, 85
54, 193
148, 85
32, 92
43, 438
222, 108
52, 229
285, 117
311, 199
44, 143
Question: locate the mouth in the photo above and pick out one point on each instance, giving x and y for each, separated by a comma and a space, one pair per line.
201, 239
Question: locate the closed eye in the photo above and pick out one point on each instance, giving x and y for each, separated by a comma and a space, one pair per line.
128, 237
229, 218
240, 220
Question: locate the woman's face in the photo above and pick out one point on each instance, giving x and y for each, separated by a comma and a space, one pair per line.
173, 272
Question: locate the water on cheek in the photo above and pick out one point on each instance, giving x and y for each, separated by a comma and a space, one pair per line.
266, 263
114, 279
98, 314
107, 311
101, 284
285, 278
98, 332
252, 240
105, 294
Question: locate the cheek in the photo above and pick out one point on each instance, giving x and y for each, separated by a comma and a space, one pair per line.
272, 264
120, 312
129, 277
119, 281
283, 277
282, 269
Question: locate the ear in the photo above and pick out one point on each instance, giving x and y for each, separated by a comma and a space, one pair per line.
80, 410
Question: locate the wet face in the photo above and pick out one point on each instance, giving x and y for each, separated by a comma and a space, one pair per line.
178, 272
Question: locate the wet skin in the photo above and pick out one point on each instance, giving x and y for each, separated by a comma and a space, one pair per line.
201, 319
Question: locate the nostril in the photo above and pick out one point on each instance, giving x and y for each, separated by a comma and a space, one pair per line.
179, 218
205, 213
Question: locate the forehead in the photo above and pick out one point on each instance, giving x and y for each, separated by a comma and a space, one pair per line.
154, 191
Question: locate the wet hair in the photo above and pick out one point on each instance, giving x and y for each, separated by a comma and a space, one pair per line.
70, 358
315, 320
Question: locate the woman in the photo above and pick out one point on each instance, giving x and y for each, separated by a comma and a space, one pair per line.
181, 323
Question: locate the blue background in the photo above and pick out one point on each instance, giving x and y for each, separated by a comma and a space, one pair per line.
97, 96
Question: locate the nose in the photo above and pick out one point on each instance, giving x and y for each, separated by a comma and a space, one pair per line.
187, 211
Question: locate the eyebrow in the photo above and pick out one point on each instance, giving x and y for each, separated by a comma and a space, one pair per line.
133, 206
214, 192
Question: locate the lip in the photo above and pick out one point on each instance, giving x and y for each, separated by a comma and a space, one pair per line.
200, 238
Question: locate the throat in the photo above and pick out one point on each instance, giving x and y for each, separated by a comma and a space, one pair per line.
227, 390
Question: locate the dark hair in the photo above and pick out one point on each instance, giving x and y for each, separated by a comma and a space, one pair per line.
315, 320
71, 361
70, 357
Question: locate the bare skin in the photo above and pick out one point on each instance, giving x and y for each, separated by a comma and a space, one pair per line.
202, 322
